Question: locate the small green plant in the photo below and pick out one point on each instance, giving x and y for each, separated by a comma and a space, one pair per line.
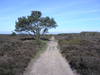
13, 34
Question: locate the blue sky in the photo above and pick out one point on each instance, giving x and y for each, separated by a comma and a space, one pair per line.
70, 15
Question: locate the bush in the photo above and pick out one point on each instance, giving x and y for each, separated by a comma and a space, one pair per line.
13, 34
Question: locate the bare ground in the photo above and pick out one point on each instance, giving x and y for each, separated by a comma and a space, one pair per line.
50, 62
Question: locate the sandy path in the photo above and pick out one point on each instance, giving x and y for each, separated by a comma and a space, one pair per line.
50, 62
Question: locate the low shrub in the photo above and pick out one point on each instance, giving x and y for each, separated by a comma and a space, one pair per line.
13, 34
16, 54
82, 53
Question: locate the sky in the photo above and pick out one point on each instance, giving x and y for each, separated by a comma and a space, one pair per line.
72, 16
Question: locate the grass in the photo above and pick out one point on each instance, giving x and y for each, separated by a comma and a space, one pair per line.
73, 41
41, 49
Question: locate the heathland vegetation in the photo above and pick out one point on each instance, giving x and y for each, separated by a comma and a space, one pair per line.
82, 50
16, 52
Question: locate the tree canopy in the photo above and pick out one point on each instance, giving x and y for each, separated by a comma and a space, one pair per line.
35, 24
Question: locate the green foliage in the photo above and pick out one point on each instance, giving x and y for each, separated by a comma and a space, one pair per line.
35, 24
13, 34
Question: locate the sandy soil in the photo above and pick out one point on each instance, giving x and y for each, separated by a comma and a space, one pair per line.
50, 62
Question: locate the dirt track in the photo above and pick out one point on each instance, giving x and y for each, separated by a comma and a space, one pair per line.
50, 62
